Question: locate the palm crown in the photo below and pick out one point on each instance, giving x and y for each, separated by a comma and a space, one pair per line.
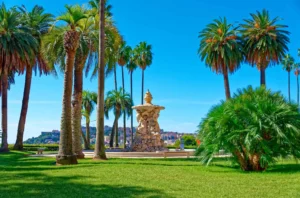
220, 46
144, 55
266, 41
288, 62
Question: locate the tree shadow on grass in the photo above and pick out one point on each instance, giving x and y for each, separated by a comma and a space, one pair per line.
70, 186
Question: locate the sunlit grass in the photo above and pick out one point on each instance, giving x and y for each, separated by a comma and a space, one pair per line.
23, 176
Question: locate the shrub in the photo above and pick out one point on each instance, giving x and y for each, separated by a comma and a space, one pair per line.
256, 126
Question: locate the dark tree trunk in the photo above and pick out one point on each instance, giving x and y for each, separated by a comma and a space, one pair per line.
289, 85
117, 133
65, 154
124, 113
131, 117
21, 126
226, 84
142, 99
88, 136
76, 106
112, 134
298, 89
263, 76
99, 153
86, 147
4, 144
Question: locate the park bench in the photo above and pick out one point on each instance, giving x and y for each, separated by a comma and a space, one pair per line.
40, 151
176, 154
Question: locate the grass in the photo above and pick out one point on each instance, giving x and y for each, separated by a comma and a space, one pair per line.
23, 176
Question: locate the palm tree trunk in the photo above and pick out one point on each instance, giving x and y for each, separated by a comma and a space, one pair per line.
21, 126
289, 85
262, 76
99, 153
115, 78
76, 107
142, 87
112, 134
298, 89
226, 84
65, 154
124, 114
88, 136
86, 147
131, 111
4, 144
117, 132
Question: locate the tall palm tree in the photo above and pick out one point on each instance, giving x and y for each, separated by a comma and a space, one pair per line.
72, 17
288, 63
297, 72
131, 66
143, 59
265, 41
89, 100
39, 23
119, 102
221, 48
17, 50
99, 153
123, 57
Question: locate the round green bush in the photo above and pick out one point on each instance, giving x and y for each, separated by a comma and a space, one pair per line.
256, 126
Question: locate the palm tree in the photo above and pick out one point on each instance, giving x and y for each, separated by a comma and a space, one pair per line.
265, 41
39, 23
297, 72
72, 17
143, 54
18, 49
99, 153
288, 63
89, 100
123, 57
131, 66
119, 102
221, 48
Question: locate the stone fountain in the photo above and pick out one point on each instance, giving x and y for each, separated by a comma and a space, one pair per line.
147, 137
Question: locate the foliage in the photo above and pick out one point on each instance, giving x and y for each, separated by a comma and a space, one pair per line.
189, 140
288, 62
89, 100
221, 46
256, 126
265, 40
143, 55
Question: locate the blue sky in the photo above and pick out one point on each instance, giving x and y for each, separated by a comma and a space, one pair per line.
177, 78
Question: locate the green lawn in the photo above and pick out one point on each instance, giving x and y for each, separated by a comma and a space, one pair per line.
22, 176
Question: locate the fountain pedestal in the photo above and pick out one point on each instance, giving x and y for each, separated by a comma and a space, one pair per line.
147, 137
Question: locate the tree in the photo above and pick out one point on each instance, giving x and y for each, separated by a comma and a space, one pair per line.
38, 23
288, 63
119, 102
131, 66
143, 53
221, 48
256, 126
72, 17
18, 49
89, 100
123, 57
297, 72
99, 153
265, 41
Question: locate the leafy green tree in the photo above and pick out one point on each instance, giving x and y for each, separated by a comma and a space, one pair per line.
131, 66
72, 17
38, 23
89, 100
256, 126
143, 54
123, 56
265, 41
288, 64
119, 102
221, 49
18, 49
188, 140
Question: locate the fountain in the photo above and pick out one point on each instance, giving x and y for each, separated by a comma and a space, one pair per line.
147, 137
